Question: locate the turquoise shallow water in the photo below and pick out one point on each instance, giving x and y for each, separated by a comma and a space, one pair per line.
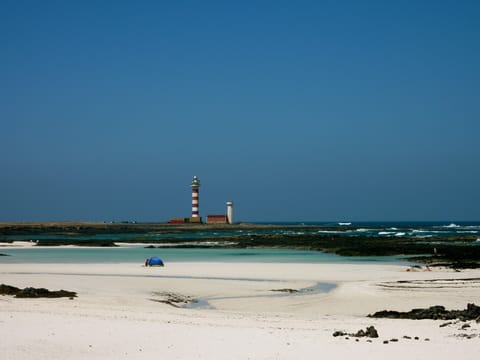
428, 232
139, 254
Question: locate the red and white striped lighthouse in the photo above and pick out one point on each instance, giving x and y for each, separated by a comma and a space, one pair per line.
195, 204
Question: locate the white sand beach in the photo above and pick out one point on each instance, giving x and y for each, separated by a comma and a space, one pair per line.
119, 312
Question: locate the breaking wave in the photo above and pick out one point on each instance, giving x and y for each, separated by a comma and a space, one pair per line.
452, 225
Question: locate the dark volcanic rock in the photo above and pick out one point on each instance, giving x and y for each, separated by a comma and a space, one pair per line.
31, 292
285, 290
446, 324
370, 332
8, 290
4, 254
434, 312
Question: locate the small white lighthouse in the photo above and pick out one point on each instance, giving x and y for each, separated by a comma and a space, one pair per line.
195, 197
230, 212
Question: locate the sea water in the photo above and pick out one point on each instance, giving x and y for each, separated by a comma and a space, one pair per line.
423, 230
138, 254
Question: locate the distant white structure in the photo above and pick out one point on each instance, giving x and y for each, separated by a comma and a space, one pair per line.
230, 212
195, 197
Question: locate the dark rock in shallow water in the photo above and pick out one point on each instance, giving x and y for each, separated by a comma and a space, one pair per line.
437, 312
4, 254
31, 292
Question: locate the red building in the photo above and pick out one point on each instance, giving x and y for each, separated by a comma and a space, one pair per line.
217, 219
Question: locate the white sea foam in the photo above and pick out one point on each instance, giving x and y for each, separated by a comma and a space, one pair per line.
452, 225
386, 233
400, 234
467, 232
22, 243
290, 232
363, 230
393, 228
415, 231
344, 223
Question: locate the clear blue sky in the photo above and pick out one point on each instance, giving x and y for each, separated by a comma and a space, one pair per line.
294, 110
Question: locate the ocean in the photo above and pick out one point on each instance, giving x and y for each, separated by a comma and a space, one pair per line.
415, 229
138, 253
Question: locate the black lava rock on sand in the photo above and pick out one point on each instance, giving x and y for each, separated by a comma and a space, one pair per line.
370, 332
8, 290
437, 312
31, 292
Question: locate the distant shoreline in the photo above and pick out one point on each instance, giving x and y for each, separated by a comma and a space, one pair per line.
129, 226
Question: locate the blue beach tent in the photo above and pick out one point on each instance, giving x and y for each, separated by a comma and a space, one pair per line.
155, 261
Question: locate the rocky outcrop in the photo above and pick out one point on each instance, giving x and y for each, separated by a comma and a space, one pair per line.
438, 312
8, 290
30, 292
370, 332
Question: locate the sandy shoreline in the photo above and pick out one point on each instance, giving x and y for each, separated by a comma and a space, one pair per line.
118, 313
